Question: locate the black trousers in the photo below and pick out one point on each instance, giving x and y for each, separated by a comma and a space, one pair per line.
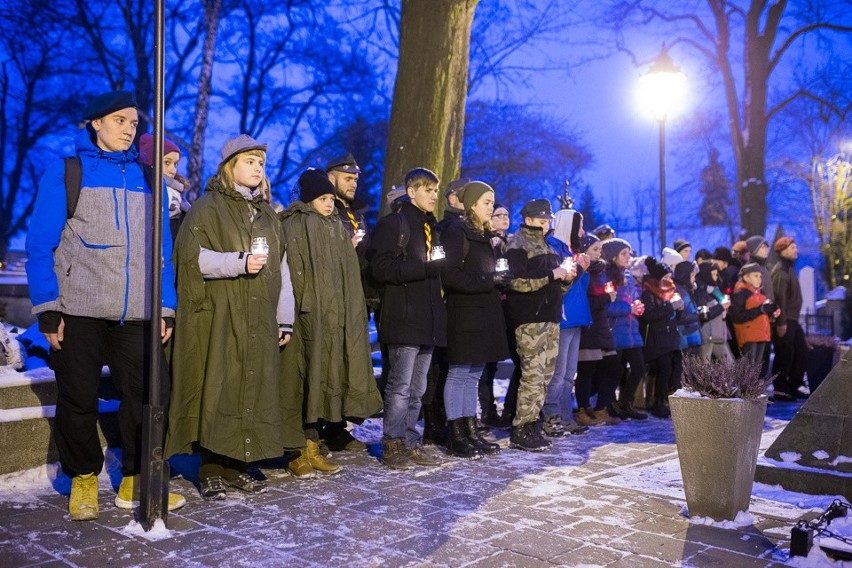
604, 374
667, 370
789, 365
88, 344
633, 378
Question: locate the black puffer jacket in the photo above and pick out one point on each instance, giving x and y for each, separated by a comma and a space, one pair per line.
413, 312
598, 335
660, 324
476, 329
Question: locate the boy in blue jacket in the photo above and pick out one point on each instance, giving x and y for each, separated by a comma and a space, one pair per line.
89, 274
557, 411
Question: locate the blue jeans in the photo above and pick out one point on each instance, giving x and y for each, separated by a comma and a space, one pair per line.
558, 400
405, 387
461, 389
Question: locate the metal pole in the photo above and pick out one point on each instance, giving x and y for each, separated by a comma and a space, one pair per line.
662, 184
154, 494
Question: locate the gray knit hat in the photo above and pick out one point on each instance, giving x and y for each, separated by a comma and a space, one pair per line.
612, 248
754, 243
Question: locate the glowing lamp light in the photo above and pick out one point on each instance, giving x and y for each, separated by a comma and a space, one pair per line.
662, 90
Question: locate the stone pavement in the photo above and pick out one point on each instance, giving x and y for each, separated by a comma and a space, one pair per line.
561, 508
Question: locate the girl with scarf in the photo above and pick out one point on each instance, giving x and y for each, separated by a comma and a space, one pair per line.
662, 339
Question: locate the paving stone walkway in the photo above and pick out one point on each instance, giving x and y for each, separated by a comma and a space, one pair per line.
572, 506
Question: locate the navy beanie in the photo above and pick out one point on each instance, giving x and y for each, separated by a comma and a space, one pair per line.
108, 103
314, 183
588, 240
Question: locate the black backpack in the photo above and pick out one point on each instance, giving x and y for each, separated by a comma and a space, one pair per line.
373, 289
74, 182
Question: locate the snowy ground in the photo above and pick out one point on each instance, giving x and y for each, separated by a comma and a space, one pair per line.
612, 497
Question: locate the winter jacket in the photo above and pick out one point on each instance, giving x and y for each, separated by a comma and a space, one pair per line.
708, 296
689, 323
476, 329
624, 324
327, 371
766, 285
98, 263
660, 322
598, 335
533, 295
751, 323
575, 303
788, 291
226, 384
413, 312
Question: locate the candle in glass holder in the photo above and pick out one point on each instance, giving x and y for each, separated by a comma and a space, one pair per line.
609, 288
568, 264
437, 252
259, 247
502, 264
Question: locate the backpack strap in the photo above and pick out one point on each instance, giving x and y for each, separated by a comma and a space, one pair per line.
404, 233
148, 172
73, 184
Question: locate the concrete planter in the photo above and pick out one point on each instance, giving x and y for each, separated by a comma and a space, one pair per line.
717, 445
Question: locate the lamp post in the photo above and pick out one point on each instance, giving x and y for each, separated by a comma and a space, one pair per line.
662, 89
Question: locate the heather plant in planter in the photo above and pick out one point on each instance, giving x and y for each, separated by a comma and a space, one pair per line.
737, 378
718, 419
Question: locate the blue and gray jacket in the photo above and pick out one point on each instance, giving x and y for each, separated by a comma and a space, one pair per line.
625, 325
97, 263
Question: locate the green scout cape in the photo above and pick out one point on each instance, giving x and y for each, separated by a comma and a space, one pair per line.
327, 369
226, 382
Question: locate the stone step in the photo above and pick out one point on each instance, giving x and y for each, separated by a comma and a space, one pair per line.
38, 388
26, 435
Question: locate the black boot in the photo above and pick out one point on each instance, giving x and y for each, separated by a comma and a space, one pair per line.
525, 437
434, 427
458, 443
487, 448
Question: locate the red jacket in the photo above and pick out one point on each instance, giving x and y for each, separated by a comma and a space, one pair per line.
751, 324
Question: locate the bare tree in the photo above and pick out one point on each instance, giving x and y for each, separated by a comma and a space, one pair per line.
524, 154
763, 34
34, 103
210, 25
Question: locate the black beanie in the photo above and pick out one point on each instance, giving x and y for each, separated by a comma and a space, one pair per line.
682, 272
588, 240
656, 270
723, 254
108, 103
314, 183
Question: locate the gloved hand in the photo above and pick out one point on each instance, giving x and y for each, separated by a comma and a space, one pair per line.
769, 307
434, 267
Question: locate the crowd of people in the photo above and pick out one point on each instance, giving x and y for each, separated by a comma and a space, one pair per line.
265, 314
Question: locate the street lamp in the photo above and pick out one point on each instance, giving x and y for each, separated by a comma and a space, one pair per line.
662, 91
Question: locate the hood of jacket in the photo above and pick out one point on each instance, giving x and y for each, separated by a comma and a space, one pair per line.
566, 228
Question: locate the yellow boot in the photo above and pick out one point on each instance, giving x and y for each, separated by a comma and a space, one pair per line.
318, 461
128, 495
83, 504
